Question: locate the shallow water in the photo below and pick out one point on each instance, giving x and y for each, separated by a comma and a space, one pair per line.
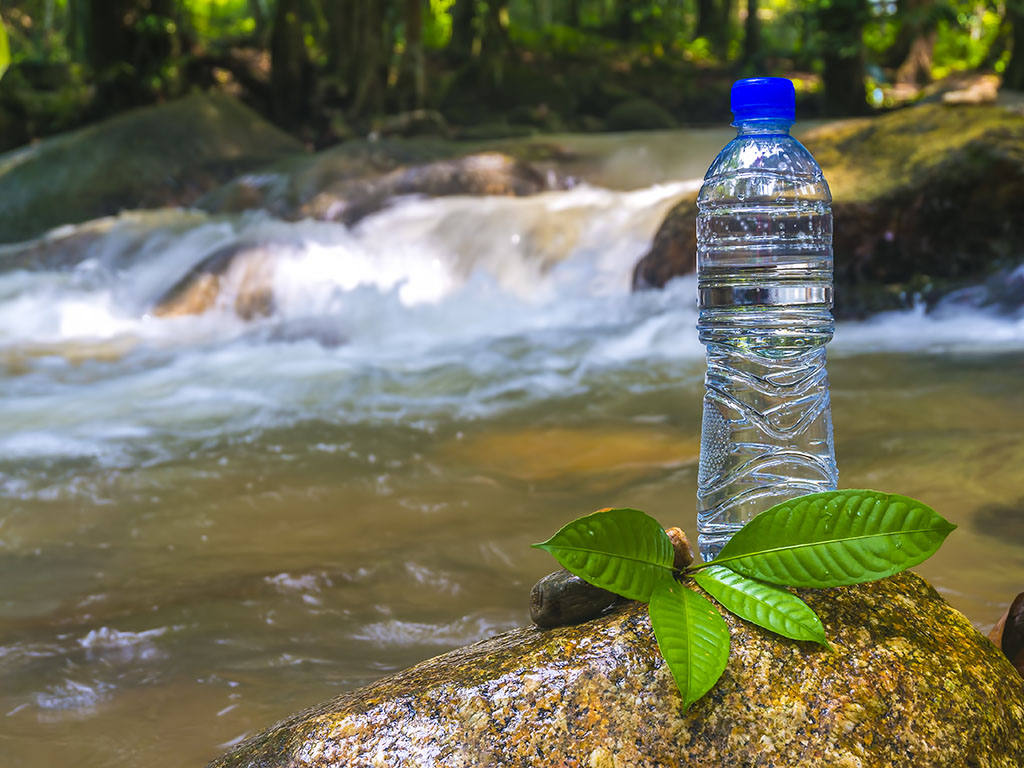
207, 524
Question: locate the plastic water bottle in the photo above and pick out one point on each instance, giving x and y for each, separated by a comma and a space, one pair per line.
764, 273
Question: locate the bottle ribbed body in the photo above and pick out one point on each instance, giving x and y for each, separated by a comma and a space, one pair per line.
764, 270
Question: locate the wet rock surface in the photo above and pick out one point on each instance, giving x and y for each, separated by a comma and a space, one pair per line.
239, 274
1008, 633
926, 201
908, 681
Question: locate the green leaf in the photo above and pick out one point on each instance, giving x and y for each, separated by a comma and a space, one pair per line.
622, 550
763, 604
834, 538
5, 50
693, 638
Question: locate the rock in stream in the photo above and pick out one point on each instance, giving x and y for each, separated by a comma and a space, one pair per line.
908, 682
926, 201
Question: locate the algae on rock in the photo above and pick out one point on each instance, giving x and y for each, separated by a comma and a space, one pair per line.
908, 682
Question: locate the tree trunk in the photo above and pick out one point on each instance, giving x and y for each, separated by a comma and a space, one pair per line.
842, 24
542, 13
752, 36
74, 39
624, 27
259, 18
707, 20
463, 29
413, 74
1013, 77
720, 35
495, 47
360, 41
572, 14
916, 42
916, 69
373, 50
340, 38
287, 64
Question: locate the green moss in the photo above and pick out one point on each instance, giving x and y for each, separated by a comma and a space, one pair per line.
872, 157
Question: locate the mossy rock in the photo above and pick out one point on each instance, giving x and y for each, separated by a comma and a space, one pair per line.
907, 682
639, 115
147, 158
926, 200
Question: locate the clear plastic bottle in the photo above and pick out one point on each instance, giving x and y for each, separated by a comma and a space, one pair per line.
764, 271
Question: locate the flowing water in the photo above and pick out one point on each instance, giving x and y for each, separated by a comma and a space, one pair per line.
207, 523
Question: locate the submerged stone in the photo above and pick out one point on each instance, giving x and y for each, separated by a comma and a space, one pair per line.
908, 682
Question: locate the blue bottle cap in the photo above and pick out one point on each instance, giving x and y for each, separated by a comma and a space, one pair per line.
763, 98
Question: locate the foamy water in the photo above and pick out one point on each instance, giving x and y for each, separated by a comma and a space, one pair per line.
461, 307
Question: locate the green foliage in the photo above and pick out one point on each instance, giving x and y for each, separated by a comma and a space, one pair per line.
693, 638
437, 25
213, 19
647, 49
622, 550
5, 50
820, 540
835, 538
964, 39
880, 34
763, 604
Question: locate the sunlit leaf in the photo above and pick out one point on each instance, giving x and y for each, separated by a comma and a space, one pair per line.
692, 636
5, 50
766, 605
622, 550
834, 538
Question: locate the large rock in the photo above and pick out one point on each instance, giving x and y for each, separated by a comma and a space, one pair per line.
284, 188
148, 158
908, 682
358, 178
926, 200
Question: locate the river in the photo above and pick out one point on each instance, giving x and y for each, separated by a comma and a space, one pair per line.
208, 523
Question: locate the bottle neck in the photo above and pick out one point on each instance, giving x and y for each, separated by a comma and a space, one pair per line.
762, 127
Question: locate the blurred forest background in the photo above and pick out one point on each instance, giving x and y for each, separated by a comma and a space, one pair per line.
327, 70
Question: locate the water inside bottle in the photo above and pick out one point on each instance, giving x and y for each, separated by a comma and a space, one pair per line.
764, 236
